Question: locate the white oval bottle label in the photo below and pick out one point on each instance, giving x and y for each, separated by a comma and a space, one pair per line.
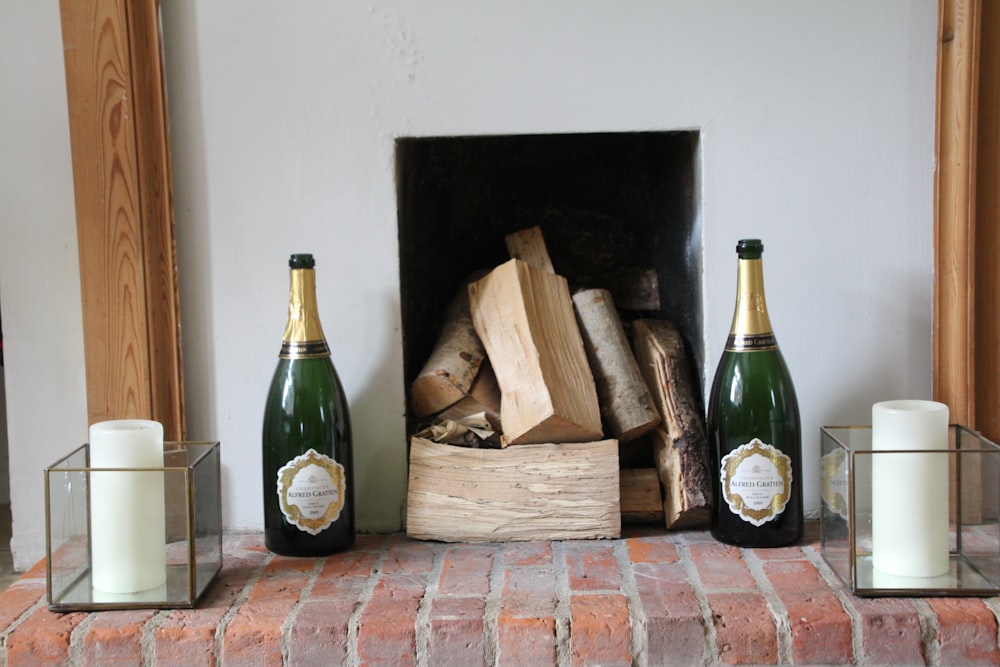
756, 481
311, 491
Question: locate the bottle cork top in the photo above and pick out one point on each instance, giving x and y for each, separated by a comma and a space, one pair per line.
749, 248
301, 261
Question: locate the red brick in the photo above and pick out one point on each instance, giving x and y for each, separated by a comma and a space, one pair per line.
181, 642
409, 557
253, 636
348, 564
526, 641
37, 571
115, 638
967, 631
652, 550
456, 632
526, 623
600, 630
745, 630
820, 627
721, 566
780, 553
251, 542
344, 575
319, 634
43, 638
368, 542
186, 637
466, 570
675, 628
527, 553
890, 631
698, 536
387, 634
529, 591
17, 599
592, 567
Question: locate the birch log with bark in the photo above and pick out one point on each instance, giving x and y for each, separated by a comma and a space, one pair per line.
626, 404
680, 446
453, 365
524, 316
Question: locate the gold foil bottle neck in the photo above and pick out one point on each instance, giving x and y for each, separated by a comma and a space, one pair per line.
303, 335
751, 325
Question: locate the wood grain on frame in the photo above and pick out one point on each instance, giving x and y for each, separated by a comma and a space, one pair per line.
954, 197
125, 224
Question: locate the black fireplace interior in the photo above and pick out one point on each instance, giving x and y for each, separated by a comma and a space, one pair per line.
608, 204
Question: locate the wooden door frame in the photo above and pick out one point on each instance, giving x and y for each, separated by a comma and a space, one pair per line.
125, 222
967, 214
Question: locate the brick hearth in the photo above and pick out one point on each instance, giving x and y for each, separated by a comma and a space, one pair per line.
646, 599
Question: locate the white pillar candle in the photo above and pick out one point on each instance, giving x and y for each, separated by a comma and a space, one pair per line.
127, 512
910, 491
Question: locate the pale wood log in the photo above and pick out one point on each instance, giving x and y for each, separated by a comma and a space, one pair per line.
680, 446
532, 492
484, 396
641, 497
626, 404
524, 316
528, 245
453, 365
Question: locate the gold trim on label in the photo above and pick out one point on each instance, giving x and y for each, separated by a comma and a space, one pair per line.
325, 482
761, 483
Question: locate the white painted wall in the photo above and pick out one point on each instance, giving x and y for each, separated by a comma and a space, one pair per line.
39, 268
817, 135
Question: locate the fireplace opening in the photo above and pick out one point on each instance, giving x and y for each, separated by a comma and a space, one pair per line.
617, 211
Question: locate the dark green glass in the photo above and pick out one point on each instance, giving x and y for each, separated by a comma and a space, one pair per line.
754, 430
308, 479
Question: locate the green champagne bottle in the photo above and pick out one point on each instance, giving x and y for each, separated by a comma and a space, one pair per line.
754, 433
307, 449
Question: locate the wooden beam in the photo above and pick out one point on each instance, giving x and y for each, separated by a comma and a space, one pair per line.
954, 195
125, 224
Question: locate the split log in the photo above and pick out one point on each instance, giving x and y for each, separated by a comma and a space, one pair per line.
524, 316
453, 365
484, 396
626, 404
532, 492
687, 488
641, 498
528, 246
680, 446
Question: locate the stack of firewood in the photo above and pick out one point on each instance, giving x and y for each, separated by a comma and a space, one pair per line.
521, 362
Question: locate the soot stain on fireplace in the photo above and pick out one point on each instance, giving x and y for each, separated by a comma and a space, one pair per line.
606, 203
